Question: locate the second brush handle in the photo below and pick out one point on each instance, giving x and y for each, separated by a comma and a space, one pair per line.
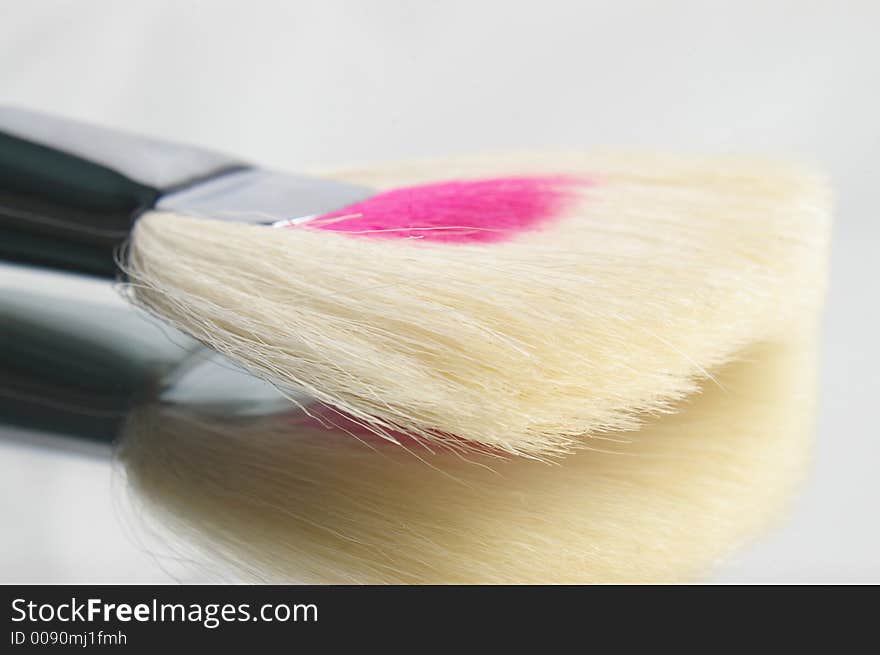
74, 367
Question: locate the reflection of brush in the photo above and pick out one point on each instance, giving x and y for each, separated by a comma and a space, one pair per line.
279, 503
530, 301
74, 368
276, 497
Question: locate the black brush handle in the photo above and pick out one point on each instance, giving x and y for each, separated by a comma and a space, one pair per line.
63, 211
70, 192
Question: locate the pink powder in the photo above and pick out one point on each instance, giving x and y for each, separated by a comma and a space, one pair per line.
337, 423
484, 211
328, 418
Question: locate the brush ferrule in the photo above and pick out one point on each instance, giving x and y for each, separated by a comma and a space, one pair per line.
70, 192
263, 197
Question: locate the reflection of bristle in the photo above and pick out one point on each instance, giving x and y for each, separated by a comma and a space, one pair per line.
650, 276
272, 499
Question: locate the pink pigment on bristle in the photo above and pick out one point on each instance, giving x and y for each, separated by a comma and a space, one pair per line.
335, 422
481, 211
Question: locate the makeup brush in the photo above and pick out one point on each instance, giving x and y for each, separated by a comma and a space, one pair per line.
521, 303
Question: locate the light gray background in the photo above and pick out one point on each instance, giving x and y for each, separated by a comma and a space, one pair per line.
298, 84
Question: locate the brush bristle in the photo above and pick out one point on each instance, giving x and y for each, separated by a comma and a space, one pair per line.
275, 501
646, 278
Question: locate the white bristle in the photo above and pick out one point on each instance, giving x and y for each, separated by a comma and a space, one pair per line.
665, 269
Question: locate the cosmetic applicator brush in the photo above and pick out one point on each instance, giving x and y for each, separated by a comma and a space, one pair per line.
523, 302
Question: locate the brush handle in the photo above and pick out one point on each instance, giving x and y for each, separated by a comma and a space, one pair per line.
69, 192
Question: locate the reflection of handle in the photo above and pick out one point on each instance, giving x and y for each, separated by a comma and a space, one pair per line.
76, 369
69, 191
